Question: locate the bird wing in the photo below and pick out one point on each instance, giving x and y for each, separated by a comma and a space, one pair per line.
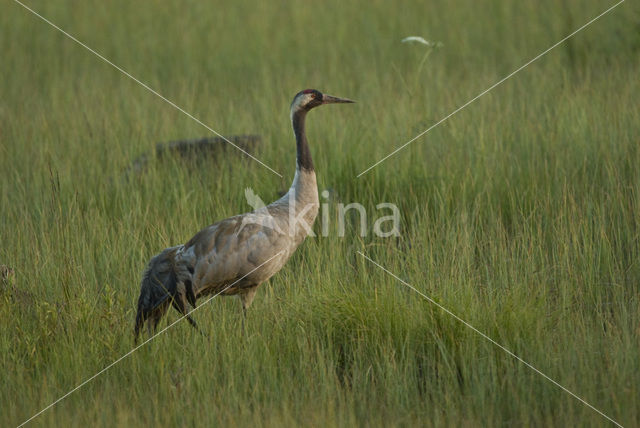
238, 249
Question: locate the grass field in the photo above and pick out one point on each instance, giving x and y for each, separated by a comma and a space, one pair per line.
521, 213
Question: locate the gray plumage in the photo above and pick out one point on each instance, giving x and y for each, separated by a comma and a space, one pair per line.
234, 256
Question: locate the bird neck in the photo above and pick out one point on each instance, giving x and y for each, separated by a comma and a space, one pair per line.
303, 194
303, 154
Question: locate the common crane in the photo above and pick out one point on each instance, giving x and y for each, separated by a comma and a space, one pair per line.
234, 256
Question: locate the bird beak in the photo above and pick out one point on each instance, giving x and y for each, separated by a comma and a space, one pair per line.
328, 99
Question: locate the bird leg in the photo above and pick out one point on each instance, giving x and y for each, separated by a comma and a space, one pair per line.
246, 299
179, 305
244, 317
191, 296
192, 322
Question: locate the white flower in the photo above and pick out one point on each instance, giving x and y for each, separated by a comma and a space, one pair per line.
421, 40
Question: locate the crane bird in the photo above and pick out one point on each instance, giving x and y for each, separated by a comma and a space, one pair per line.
234, 256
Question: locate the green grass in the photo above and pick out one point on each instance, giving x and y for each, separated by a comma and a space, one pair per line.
521, 213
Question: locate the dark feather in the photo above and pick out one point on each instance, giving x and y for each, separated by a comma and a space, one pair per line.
191, 296
159, 286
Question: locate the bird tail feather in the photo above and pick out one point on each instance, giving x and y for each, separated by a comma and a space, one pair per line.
158, 287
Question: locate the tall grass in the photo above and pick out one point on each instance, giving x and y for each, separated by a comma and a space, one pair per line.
520, 214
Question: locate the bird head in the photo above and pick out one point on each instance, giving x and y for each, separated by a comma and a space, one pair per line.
310, 98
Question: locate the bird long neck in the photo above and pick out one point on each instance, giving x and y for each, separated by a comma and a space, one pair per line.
303, 154
303, 194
